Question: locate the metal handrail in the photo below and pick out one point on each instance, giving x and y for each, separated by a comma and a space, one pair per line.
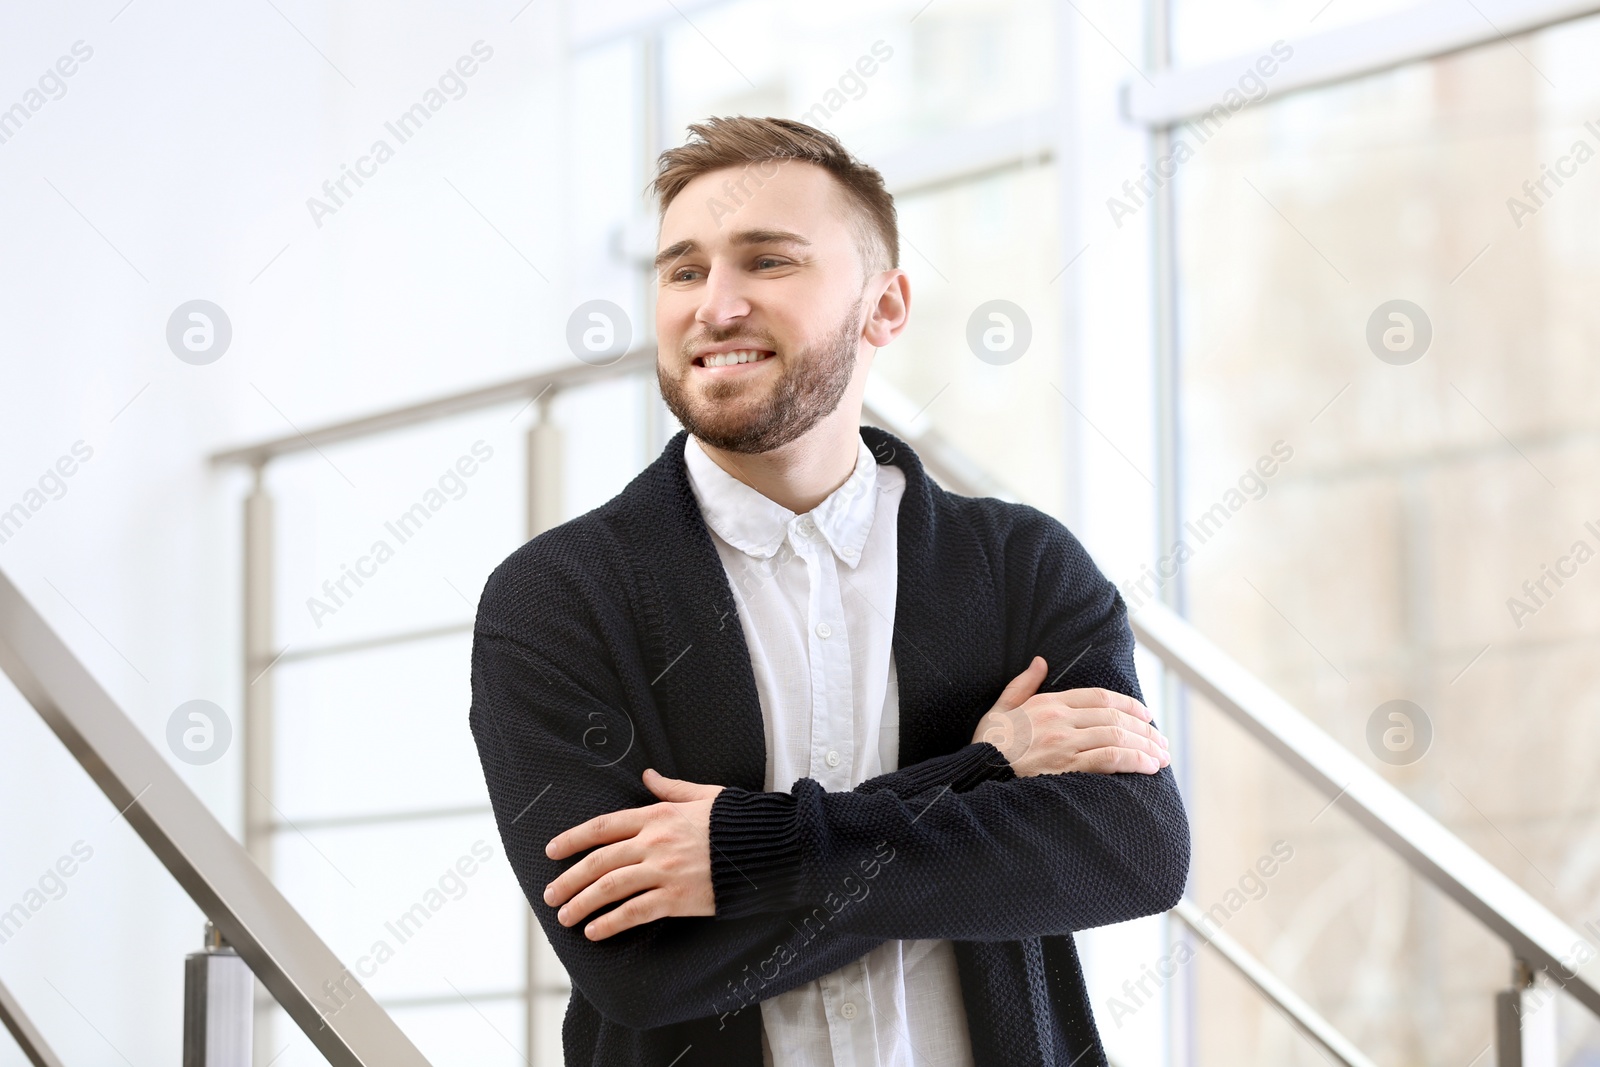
1533, 932
529, 386
27, 1036
288, 957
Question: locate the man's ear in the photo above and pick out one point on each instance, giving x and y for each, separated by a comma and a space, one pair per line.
890, 309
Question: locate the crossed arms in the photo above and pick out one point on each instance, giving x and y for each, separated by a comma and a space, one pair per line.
657, 860
995, 841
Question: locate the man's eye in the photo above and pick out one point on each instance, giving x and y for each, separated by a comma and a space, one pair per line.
678, 276
769, 259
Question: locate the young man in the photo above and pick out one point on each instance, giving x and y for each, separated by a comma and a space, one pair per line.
747, 728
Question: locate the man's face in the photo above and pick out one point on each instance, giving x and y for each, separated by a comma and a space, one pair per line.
761, 267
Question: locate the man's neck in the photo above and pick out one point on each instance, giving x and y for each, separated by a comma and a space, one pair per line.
801, 474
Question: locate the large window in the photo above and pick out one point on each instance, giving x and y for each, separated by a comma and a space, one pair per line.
1394, 279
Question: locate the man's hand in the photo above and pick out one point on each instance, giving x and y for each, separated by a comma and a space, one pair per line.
1092, 730
657, 858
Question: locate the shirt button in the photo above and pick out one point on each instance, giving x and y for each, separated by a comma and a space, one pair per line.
824, 631
848, 1009
832, 759
848, 553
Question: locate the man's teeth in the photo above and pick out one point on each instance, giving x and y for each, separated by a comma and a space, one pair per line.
728, 359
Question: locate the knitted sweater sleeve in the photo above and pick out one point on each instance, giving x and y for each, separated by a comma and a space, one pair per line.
1007, 859
551, 717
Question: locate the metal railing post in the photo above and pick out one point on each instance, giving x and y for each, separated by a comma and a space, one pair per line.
544, 492
258, 658
257, 699
1508, 1019
1525, 1021
218, 1006
544, 470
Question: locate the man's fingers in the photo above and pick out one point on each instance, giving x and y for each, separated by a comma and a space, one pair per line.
1087, 717
1141, 727
1117, 761
1023, 685
1116, 737
1103, 698
646, 907
600, 830
590, 869
676, 789
617, 884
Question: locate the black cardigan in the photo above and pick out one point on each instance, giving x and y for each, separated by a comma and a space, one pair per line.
611, 643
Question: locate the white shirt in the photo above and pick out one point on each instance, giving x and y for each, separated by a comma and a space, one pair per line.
815, 595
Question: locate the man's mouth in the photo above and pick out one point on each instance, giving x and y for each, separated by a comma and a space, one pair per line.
733, 359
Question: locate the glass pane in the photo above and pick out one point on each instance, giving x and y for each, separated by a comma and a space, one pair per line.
1390, 435
878, 75
964, 247
603, 201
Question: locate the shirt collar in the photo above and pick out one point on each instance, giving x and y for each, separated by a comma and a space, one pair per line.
757, 526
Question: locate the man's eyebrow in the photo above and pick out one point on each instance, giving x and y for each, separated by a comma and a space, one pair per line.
769, 237
673, 252
678, 249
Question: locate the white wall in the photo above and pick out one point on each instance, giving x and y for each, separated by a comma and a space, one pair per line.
177, 166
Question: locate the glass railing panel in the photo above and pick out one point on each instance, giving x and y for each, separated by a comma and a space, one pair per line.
1385, 957
395, 532
381, 731
421, 912
417, 905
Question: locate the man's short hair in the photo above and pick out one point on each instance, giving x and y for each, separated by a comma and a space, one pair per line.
756, 143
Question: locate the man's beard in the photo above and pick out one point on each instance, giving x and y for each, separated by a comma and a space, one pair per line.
809, 388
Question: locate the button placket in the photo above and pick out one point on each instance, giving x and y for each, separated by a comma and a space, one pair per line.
816, 648
833, 726
841, 1039
854, 1021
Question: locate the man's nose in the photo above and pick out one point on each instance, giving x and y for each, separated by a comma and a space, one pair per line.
723, 300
